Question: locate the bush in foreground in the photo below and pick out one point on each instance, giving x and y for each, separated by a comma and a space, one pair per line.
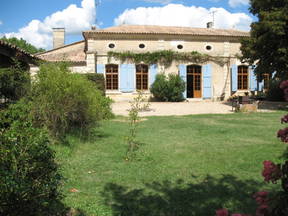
29, 177
169, 88
62, 101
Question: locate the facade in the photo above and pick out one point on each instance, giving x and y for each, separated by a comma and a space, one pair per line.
209, 80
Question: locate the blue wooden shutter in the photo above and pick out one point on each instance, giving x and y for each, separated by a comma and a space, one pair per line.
207, 81
261, 86
127, 77
252, 79
152, 73
100, 68
183, 75
234, 77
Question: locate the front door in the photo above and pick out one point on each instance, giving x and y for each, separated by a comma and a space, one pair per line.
194, 81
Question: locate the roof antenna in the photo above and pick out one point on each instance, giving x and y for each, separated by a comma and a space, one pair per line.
213, 16
97, 4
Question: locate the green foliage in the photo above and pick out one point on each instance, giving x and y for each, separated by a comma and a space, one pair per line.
268, 44
274, 92
22, 44
14, 82
62, 100
98, 80
169, 88
165, 57
138, 104
29, 176
18, 112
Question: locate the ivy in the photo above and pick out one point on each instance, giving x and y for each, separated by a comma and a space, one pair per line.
165, 57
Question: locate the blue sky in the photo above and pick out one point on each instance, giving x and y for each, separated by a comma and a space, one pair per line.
34, 19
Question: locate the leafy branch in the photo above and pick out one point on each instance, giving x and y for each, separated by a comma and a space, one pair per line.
165, 57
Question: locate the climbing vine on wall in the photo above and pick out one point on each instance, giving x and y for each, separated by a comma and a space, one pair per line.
165, 57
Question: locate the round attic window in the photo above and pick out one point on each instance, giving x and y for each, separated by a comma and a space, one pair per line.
111, 45
141, 46
180, 46
208, 47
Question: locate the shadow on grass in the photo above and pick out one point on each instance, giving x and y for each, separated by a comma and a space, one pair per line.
183, 199
78, 135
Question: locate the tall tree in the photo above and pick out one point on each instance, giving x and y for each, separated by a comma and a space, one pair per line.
21, 43
268, 44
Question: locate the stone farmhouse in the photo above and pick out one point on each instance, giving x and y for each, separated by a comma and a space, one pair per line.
204, 80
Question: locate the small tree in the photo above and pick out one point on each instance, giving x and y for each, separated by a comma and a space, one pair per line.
137, 105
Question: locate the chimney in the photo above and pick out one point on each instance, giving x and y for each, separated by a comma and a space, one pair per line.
58, 37
210, 25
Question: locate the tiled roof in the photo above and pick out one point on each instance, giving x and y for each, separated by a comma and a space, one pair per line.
74, 52
12, 46
149, 29
11, 50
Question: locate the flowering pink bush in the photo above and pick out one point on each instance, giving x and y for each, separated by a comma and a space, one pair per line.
283, 135
224, 212
271, 172
262, 201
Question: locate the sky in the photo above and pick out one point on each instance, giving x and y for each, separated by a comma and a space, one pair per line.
33, 20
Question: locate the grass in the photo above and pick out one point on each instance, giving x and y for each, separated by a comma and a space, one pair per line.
186, 165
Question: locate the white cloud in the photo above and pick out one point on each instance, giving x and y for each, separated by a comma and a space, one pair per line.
1, 23
236, 3
180, 15
74, 19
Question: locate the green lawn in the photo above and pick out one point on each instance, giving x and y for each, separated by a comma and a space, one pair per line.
188, 165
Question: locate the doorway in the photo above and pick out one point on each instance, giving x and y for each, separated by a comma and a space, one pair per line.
194, 80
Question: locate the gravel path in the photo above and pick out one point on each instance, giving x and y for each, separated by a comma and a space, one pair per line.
169, 109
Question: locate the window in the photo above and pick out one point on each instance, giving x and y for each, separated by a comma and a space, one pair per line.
180, 46
142, 77
266, 80
111, 45
111, 76
141, 46
242, 77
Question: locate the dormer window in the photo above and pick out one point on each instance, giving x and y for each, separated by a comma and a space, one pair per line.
141, 46
208, 47
111, 45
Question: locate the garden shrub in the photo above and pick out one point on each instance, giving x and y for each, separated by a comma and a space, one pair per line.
29, 177
169, 88
62, 101
14, 82
275, 93
98, 80
19, 112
